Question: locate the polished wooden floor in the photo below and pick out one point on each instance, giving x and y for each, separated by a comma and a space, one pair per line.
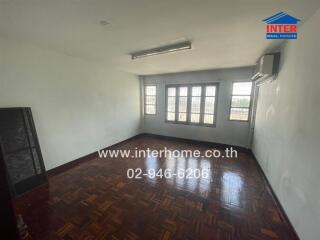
96, 200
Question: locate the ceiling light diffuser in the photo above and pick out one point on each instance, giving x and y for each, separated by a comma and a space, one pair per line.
162, 50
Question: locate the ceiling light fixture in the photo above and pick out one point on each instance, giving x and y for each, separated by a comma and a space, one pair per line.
161, 50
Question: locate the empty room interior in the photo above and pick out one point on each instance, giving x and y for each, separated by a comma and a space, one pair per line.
165, 120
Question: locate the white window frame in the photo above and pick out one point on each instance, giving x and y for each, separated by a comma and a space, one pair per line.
145, 102
189, 97
249, 108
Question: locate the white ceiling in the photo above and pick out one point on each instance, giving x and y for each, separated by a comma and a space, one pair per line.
225, 33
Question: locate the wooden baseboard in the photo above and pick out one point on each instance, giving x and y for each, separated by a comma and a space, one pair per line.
197, 142
76, 162
283, 214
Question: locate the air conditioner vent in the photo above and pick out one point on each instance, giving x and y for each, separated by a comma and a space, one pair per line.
267, 66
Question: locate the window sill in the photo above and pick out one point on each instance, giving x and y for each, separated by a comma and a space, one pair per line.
191, 124
235, 120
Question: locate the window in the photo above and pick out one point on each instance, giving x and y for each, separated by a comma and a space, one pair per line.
209, 105
171, 108
240, 101
183, 102
195, 104
150, 100
191, 104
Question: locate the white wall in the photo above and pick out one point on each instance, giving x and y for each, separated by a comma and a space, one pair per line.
78, 106
228, 132
287, 130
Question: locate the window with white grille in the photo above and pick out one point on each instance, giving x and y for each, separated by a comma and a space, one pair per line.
240, 101
191, 104
150, 99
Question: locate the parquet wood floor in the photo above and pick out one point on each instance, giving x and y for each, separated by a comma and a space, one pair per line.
96, 200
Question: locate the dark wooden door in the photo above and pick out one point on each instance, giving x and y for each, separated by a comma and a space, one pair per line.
21, 149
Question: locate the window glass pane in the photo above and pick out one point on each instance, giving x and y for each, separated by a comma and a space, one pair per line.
183, 104
183, 91
208, 119
209, 105
196, 91
239, 114
195, 118
240, 101
171, 91
171, 116
242, 88
171, 104
150, 99
195, 104
210, 91
178, 100
150, 109
150, 90
182, 117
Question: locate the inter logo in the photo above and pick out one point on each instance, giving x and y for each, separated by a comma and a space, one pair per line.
281, 26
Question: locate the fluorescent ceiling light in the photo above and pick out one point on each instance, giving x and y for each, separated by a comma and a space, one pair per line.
161, 50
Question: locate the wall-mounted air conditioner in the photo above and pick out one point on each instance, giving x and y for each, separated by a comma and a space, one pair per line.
266, 67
